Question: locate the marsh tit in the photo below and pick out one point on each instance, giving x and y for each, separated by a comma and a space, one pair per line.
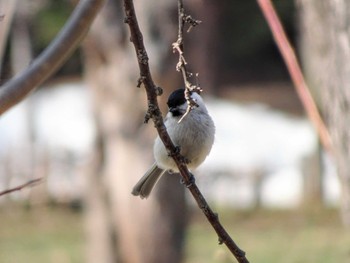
194, 135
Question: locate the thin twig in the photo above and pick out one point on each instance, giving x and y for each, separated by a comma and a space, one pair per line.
53, 56
295, 72
155, 113
181, 66
20, 187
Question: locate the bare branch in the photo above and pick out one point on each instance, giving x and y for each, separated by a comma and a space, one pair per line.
295, 72
181, 66
154, 113
53, 56
20, 187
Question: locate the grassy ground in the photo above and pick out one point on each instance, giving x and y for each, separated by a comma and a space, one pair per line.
56, 235
274, 236
40, 235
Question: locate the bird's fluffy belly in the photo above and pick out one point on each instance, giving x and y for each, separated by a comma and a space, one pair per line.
200, 139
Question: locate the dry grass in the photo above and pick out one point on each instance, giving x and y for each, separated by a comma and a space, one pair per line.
40, 235
275, 236
56, 235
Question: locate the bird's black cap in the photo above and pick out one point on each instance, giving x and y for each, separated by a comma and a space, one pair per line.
176, 98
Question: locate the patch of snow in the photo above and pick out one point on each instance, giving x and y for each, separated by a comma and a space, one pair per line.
250, 139
253, 139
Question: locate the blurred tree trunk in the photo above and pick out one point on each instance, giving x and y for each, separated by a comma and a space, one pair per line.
21, 46
325, 43
204, 50
121, 227
7, 10
20, 57
313, 179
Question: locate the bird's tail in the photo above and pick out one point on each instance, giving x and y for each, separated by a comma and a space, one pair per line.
145, 185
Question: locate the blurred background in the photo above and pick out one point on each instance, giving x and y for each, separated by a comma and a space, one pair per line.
277, 192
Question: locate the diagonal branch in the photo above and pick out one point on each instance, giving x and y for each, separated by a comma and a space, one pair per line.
20, 187
295, 72
53, 56
155, 113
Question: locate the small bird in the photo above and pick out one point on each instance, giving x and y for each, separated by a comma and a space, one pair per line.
194, 135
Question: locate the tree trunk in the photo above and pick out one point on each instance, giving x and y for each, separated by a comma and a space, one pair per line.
313, 194
325, 42
132, 230
7, 10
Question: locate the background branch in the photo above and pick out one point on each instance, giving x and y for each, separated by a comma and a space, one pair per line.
155, 113
295, 72
20, 187
16, 89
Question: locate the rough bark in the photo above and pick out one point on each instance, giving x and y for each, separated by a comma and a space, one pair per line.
325, 43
